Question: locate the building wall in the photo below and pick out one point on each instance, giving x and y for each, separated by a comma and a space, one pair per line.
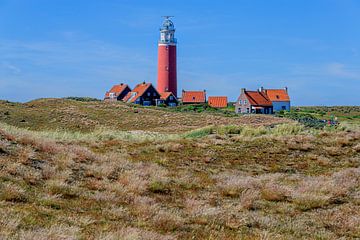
278, 106
149, 97
167, 72
123, 94
242, 104
171, 102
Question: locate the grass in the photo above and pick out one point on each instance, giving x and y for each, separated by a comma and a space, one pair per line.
262, 179
82, 116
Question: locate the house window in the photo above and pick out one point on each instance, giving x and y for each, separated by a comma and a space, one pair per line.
245, 101
240, 101
154, 94
283, 107
112, 95
149, 94
247, 110
171, 97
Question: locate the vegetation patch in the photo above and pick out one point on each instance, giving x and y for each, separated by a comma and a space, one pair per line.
251, 177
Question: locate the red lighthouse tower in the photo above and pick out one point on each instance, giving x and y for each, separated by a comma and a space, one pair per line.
167, 76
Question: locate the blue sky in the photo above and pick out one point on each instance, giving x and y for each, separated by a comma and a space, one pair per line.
64, 48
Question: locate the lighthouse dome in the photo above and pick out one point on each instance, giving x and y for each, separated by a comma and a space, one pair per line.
167, 25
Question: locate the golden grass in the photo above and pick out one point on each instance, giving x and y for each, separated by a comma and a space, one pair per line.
219, 182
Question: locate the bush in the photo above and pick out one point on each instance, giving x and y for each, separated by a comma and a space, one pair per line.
83, 99
159, 187
201, 132
304, 118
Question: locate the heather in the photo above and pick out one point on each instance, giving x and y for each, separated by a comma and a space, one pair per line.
252, 178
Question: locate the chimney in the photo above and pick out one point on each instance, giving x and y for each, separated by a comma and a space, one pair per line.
143, 82
183, 90
286, 89
121, 84
243, 90
261, 89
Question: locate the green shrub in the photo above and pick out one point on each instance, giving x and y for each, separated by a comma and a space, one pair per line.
159, 187
83, 99
201, 132
304, 118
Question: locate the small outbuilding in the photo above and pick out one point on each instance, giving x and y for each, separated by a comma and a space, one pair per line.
117, 92
253, 102
218, 101
144, 94
193, 97
168, 99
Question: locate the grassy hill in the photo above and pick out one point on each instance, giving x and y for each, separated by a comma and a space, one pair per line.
91, 170
65, 114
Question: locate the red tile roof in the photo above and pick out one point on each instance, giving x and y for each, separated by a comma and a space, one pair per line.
165, 95
194, 97
137, 92
258, 98
218, 102
277, 95
117, 89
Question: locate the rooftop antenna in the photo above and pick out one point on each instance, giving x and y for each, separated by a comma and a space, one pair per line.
167, 17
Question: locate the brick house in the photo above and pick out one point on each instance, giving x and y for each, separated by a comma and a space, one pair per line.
168, 98
253, 102
193, 97
279, 97
218, 101
144, 94
117, 92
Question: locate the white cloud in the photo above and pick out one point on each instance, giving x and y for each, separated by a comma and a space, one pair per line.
341, 70
8, 67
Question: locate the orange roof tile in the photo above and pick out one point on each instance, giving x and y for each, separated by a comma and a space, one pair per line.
277, 95
258, 98
165, 95
194, 96
218, 101
137, 92
117, 89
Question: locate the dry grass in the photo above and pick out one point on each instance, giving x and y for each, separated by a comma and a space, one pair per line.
218, 182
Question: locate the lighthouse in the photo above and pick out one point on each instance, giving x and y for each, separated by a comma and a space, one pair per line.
167, 76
